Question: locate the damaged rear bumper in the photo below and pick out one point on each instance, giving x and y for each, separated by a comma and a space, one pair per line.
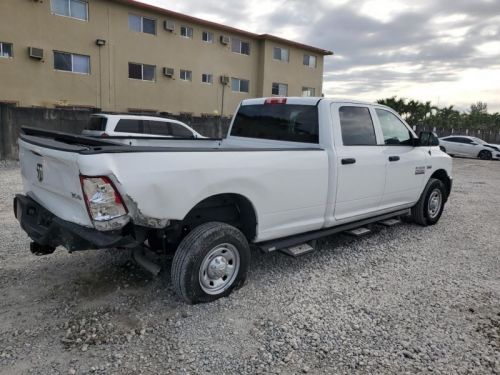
47, 230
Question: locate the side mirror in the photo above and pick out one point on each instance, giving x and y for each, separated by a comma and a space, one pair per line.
427, 139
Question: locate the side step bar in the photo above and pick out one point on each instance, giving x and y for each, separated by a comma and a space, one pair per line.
299, 250
299, 239
358, 232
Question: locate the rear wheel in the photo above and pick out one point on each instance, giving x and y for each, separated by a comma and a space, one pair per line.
210, 262
430, 206
485, 155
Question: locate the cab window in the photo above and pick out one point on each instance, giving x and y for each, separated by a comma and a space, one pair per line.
393, 129
357, 126
129, 126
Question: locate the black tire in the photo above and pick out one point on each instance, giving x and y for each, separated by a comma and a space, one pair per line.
422, 213
485, 155
192, 253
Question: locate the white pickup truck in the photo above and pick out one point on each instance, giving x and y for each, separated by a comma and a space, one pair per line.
290, 171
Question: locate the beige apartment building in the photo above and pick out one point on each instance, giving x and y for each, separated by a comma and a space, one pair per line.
123, 55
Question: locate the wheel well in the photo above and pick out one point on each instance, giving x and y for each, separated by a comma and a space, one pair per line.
441, 175
232, 209
480, 152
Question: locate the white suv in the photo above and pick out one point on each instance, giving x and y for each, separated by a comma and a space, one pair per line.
473, 147
104, 125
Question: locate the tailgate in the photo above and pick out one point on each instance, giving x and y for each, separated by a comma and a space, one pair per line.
52, 178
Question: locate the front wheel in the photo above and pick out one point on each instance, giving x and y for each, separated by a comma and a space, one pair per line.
210, 262
430, 206
485, 155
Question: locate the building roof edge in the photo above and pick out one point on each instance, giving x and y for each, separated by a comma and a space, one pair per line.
185, 17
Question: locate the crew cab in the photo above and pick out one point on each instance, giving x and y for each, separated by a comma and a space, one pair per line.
290, 170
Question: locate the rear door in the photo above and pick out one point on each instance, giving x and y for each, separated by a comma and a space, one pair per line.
360, 162
452, 145
406, 164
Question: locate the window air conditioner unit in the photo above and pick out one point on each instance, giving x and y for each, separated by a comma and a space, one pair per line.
224, 39
36, 53
169, 25
224, 80
168, 72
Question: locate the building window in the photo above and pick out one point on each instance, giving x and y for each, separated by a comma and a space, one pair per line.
71, 8
308, 91
281, 54
70, 62
187, 32
280, 89
186, 75
310, 61
141, 24
207, 78
240, 85
239, 46
5, 49
143, 72
207, 36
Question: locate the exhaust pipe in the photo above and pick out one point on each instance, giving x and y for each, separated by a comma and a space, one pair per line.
143, 261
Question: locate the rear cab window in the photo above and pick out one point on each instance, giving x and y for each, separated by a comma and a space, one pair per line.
279, 122
97, 123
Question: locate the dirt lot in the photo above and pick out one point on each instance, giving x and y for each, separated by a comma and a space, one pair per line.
404, 299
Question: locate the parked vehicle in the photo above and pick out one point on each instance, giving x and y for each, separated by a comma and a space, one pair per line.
107, 125
291, 170
472, 147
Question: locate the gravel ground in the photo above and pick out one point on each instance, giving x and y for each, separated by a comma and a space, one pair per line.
403, 299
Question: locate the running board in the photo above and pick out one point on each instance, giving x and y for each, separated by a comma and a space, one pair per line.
299, 250
292, 241
390, 222
358, 232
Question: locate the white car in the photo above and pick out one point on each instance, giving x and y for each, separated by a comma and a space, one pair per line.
462, 145
290, 171
123, 126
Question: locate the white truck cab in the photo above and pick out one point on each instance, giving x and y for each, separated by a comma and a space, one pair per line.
290, 170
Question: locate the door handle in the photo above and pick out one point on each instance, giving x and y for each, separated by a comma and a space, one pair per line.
393, 158
348, 161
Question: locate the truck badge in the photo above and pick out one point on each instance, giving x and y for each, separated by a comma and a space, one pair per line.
420, 170
39, 172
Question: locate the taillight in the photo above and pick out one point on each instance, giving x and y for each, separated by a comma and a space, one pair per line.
275, 101
103, 201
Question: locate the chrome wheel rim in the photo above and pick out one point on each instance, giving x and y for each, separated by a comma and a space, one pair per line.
434, 204
219, 269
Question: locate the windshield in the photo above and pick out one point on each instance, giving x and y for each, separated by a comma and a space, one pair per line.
96, 123
479, 141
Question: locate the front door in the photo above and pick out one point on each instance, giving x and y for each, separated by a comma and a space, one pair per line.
360, 162
406, 164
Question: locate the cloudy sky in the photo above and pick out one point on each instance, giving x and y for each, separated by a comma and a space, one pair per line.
446, 51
